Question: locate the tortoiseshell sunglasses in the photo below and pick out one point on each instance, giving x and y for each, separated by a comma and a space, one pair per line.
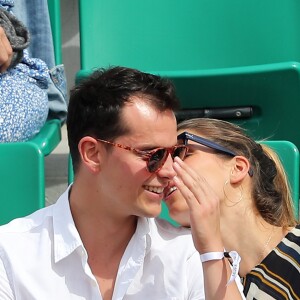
155, 158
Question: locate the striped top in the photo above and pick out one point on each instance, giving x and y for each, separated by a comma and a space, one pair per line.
278, 275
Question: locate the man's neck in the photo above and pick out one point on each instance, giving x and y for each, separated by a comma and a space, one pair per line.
105, 237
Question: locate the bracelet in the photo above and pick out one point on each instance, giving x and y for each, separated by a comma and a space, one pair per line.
220, 255
211, 256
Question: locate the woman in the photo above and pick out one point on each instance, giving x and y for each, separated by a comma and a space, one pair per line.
23, 81
233, 192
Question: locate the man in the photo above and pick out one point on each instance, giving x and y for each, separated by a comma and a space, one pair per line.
100, 240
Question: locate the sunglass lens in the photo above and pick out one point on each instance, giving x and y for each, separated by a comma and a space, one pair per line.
181, 141
180, 151
157, 159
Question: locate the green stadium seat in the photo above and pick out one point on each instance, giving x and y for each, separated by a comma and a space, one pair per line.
188, 35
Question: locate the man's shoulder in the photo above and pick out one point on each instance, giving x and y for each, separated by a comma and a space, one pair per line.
165, 235
165, 227
38, 220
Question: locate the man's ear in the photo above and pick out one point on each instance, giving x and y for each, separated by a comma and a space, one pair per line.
241, 166
89, 151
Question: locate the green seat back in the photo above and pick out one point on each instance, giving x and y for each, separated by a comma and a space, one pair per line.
188, 35
21, 180
271, 91
219, 54
22, 174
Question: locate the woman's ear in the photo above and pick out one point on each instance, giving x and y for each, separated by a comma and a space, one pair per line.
89, 151
241, 166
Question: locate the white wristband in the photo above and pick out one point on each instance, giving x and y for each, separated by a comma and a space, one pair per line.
211, 256
220, 255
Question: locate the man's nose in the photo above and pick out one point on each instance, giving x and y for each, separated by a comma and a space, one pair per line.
167, 170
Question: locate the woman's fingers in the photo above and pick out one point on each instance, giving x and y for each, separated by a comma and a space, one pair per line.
203, 204
188, 195
193, 186
6, 51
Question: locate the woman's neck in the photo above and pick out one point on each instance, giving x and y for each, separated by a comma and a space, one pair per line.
249, 234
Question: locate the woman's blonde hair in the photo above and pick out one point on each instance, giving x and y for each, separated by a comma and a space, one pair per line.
270, 188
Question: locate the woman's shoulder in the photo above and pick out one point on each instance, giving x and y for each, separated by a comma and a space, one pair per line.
278, 274
296, 229
292, 239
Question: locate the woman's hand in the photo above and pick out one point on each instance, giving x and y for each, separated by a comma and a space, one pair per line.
6, 51
204, 208
205, 225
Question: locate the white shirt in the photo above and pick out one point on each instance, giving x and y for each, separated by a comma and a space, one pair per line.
42, 257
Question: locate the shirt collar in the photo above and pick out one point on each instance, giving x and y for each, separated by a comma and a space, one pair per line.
144, 229
66, 237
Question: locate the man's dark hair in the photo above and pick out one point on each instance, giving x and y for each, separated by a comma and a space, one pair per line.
96, 103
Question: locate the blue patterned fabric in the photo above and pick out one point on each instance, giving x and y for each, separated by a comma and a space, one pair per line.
23, 97
23, 100
35, 15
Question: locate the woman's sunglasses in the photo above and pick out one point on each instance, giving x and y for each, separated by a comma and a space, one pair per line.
185, 136
155, 158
